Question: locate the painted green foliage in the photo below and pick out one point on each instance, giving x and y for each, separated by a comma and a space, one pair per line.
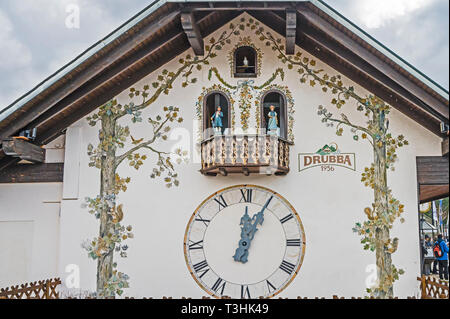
113, 137
385, 209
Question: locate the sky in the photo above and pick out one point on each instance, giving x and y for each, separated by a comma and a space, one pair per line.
39, 37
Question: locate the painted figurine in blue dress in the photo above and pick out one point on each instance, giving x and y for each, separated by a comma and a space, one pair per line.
216, 120
272, 126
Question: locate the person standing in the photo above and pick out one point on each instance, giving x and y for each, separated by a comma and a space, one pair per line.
441, 253
435, 262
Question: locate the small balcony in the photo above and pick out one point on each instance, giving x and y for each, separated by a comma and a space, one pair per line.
245, 154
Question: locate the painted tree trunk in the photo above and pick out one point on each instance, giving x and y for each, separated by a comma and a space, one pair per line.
105, 262
382, 236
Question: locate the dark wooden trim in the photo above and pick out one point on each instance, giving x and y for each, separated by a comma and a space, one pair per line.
21, 148
354, 59
386, 94
440, 109
444, 146
238, 6
94, 69
291, 29
193, 33
33, 173
429, 193
181, 45
276, 22
432, 170
115, 71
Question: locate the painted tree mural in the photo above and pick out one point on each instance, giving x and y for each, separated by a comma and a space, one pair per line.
109, 154
385, 209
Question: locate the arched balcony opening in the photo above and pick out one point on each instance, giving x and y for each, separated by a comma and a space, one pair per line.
212, 102
277, 100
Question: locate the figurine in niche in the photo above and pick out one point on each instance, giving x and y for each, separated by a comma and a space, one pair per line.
245, 61
216, 120
272, 126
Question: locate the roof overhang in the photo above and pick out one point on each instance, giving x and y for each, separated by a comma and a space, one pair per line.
156, 35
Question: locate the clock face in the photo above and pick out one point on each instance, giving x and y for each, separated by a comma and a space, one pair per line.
244, 241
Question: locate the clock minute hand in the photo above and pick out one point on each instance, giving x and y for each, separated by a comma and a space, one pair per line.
248, 230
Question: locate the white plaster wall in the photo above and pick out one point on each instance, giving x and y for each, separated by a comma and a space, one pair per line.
329, 204
29, 232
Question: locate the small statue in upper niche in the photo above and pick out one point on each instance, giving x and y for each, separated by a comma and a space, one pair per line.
245, 61
216, 120
272, 126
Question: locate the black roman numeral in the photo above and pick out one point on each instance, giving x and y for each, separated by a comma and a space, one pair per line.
293, 242
270, 287
245, 292
200, 268
201, 219
196, 245
246, 195
287, 267
286, 218
219, 284
221, 201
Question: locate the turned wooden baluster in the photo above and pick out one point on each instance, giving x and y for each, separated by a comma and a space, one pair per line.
213, 151
286, 155
280, 153
203, 155
222, 150
245, 150
234, 151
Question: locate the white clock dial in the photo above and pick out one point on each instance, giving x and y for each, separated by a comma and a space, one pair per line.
238, 255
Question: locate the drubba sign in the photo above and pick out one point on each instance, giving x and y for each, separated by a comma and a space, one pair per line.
327, 158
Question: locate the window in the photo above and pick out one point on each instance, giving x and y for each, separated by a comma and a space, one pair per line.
278, 100
245, 63
212, 102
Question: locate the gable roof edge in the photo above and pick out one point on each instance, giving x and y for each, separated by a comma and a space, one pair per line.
89, 52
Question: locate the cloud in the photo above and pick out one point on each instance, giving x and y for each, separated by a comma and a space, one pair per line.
13, 53
416, 30
377, 13
35, 42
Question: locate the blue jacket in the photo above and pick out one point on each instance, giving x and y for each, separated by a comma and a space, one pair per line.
444, 249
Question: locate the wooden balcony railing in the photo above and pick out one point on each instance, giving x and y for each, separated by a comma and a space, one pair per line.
246, 154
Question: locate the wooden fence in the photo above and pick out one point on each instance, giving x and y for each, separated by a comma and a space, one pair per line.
43, 289
432, 288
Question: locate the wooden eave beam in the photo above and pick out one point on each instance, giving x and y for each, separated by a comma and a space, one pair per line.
237, 6
276, 22
192, 31
362, 66
291, 29
386, 94
432, 170
428, 193
439, 109
76, 81
180, 45
117, 70
37, 173
21, 148
444, 146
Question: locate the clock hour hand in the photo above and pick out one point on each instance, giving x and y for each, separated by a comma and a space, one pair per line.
248, 230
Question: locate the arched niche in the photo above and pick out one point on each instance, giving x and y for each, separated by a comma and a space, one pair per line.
211, 101
245, 62
278, 100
